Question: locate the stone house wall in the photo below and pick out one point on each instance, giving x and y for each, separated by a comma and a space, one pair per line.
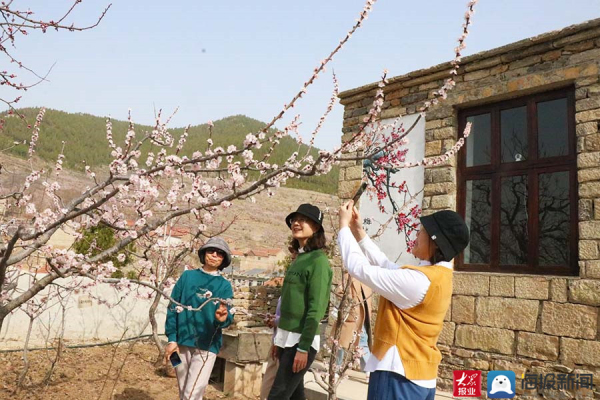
523, 323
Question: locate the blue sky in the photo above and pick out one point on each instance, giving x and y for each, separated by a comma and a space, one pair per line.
215, 59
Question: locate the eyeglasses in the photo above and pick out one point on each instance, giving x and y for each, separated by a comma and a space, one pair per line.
218, 252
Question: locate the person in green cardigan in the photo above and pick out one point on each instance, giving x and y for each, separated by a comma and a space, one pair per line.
304, 299
196, 335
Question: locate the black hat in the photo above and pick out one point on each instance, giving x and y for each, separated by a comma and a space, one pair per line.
309, 211
449, 232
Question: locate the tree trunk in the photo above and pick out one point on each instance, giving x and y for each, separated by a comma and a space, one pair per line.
157, 341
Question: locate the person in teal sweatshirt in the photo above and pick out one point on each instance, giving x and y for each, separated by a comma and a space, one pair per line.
196, 335
304, 300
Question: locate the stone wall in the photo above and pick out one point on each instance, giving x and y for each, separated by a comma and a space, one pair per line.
258, 300
534, 324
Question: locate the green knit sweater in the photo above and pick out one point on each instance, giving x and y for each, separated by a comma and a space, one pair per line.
305, 295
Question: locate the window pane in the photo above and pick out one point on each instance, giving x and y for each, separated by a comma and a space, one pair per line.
554, 216
513, 131
478, 216
552, 128
513, 221
478, 142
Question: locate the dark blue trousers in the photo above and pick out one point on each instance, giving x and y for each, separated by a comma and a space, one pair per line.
385, 385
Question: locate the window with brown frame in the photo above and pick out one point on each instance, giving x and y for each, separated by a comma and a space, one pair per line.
517, 185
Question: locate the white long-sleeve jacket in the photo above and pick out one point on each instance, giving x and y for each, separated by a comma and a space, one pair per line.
405, 288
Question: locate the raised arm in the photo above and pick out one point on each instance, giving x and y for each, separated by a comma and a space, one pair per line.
371, 250
403, 287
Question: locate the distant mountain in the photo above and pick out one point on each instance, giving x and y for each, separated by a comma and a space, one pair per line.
85, 139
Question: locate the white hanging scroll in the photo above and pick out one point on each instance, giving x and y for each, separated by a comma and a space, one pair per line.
391, 242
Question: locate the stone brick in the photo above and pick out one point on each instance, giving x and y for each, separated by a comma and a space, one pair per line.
525, 62
586, 209
346, 189
509, 365
439, 112
502, 286
353, 173
472, 76
580, 145
589, 230
447, 334
593, 90
480, 365
585, 116
471, 284
588, 160
587, 104
552, 55
589, 174
426, 202
596, 208
582, 352
578, 37
439, 188
486, 63
442, 133
572, 320
541, 347
589, 189
360, 111
531, 288
433, 148
444, 201
558, 290
498, 312
486, 339
586, 81
413, 98
433, 124
593, 55
592, 269
440, 175
447, 145
521, 52
463, 309
586, 128
393, 112
581, 93
396, 94
430, 85
581, 46
585, 291
592, 142
463, 353
588, 250
498, 69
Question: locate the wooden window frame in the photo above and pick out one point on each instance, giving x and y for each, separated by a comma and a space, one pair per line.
532, 167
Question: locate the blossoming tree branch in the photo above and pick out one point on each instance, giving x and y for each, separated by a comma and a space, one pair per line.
142, 192
16, 24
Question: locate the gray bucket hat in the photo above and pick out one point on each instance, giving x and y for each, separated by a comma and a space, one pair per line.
216, 243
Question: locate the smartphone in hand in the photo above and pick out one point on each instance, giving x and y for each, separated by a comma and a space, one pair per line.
175, 359
359, 192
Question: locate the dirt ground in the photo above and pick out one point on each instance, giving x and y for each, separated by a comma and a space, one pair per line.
97, 373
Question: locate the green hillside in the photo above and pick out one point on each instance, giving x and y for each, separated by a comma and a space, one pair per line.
85, 139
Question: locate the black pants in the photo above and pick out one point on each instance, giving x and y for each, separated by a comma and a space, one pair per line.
289, 385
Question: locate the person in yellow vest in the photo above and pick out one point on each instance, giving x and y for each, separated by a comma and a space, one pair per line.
414, 299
